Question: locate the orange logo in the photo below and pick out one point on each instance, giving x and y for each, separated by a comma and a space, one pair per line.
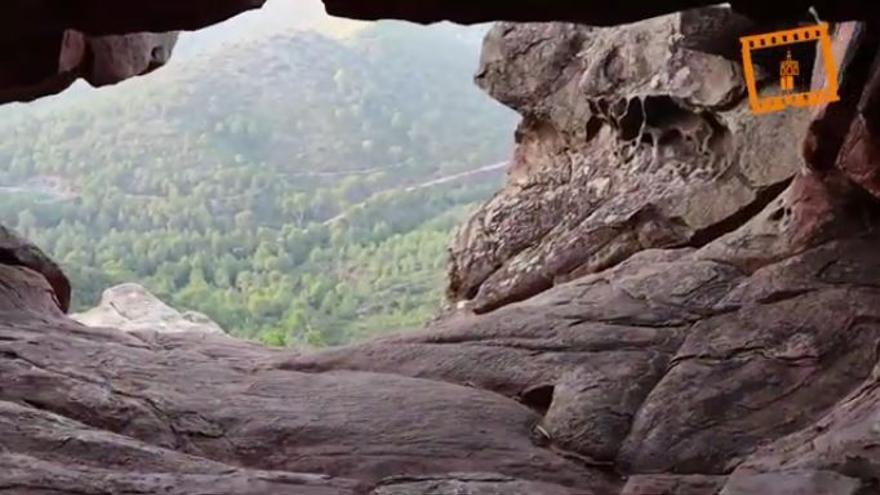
794, 87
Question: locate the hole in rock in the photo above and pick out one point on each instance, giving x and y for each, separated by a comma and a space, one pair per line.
662, 111
632, 121
594, 125
539, 398
669, 137
777, 215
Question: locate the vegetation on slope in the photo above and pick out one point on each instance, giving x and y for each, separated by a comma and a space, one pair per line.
269, 185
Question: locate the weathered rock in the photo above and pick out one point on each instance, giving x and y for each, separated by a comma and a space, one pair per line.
116, 58
672, 365
108, 393
630, 141
740, 365
666, 363
466, 484
667, 484
24, 475
131, 308
792, 483
65, 456
15, 251
845, 138
45, 46
96, 17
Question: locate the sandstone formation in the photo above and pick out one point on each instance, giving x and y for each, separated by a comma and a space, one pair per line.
725, 342
15, 251
131, 308
667, 363
632, 138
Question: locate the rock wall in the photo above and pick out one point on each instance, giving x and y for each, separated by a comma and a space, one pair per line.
632, 138
669, 374
731, 348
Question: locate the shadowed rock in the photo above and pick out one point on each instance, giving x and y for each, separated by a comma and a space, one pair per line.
587, 12
46, 46
15, 251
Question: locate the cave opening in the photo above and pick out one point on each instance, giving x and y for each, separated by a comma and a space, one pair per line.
539, 398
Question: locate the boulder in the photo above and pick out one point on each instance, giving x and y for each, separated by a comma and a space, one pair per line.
15, 251
132, 308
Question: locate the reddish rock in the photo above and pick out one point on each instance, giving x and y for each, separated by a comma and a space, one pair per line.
669, 484
89, 409
730, 349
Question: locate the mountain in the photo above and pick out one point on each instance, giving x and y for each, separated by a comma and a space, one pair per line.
298, 187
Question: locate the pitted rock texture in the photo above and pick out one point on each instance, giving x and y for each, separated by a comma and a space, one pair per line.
632, 138
131, 307
673, 364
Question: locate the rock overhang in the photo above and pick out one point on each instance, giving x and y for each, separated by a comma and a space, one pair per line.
592, 12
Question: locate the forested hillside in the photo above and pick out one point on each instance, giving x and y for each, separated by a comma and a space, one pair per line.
273, 184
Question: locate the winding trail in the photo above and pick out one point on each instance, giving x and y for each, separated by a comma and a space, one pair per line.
425, 185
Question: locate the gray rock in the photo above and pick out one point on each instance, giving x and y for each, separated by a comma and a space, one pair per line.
632, 138
132, 308
667, 363
792, 483
468, 484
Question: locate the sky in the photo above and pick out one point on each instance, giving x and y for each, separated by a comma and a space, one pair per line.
276, 16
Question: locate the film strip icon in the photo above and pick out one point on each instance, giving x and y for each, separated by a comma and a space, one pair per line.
768, 104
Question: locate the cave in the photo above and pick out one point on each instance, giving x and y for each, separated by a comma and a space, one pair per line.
710, 327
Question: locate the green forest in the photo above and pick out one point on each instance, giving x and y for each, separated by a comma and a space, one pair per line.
290, 187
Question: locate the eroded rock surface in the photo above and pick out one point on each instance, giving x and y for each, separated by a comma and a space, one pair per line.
131, 308
632, 138
731, 348
74, 397
15, 251
667, 363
